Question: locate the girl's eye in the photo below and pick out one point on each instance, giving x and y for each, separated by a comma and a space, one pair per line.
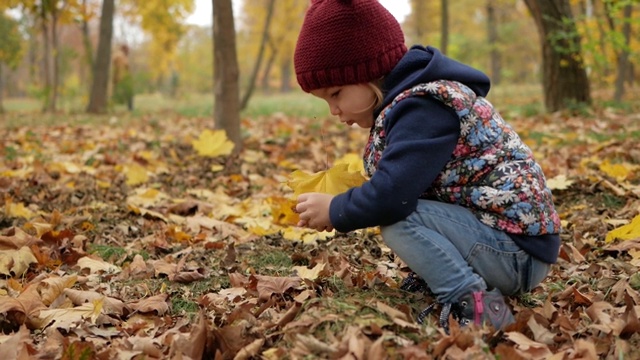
335, 94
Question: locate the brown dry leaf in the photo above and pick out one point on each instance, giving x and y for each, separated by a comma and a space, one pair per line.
162, 267
391, 312
354, 345
18, 345
54, 286
306, 345
15, 238
186, 277
67, 318
269, 285
230, 339
250, 351
16, 262
138, 268
599, 312
585, 349
157, 304
540, 333
527, 347
25, 307
97, 266
111, 306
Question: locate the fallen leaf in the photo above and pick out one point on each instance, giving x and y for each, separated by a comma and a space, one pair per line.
559, 182
213, 143
336, 180
157, 304
16, 262
136, 174
269, 285
97, 266
626, 232
67, 318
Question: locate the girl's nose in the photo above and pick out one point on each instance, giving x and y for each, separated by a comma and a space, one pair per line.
335, 111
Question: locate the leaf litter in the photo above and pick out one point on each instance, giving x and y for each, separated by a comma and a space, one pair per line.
149, 241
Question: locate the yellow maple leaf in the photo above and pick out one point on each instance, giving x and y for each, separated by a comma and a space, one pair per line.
336, 180
626, 232
136, 175
354, 162
304, 272
559, 182
213, 143
18, 210
620, 171
282, 211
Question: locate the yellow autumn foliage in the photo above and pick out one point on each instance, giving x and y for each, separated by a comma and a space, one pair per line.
336, 180
626, 232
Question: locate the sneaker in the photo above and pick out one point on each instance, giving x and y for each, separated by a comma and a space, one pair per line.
482, 307
414, 283
478, 307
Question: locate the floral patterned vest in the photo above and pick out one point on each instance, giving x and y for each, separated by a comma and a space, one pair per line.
491, 171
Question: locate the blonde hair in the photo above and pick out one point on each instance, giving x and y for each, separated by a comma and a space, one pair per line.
376, 87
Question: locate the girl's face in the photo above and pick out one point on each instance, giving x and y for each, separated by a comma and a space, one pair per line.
353, 104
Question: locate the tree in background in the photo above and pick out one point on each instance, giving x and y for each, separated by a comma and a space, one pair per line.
100, 84
121, 80
444, 26
263, 43
564, 78
226, 112
622, 45
280, 42
10, 49
166, 26
493, 39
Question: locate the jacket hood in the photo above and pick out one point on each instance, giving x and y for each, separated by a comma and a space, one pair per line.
425, 64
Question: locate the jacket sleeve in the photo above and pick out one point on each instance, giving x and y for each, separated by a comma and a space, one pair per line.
421, 135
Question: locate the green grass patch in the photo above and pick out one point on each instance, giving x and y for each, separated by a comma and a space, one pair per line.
27, 111
107, 252
275, 263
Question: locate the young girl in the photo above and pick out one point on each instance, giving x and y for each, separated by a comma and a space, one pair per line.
457, 194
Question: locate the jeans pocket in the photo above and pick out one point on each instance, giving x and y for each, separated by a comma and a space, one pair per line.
500, 269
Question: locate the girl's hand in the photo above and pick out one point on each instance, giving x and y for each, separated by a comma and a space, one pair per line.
313, 209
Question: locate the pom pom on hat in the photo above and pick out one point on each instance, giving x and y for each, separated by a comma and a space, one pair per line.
345, 42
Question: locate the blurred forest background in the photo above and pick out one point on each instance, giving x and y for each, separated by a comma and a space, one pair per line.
50, 56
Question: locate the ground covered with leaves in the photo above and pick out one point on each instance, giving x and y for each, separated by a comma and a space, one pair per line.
135, 239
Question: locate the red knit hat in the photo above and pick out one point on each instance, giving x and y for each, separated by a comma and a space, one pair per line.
345, 42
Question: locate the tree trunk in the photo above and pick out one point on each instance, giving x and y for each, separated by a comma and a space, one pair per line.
86, 41
56, 61
267, 69
602, 43
46, 62
444, 28
494, 54
285, 69
1, 89
100, 83
226, 112
256, 68
623, 55
564, 79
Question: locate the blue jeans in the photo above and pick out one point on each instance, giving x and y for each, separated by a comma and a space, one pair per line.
455, 253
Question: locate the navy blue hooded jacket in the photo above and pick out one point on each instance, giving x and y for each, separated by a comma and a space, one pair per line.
417, 150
